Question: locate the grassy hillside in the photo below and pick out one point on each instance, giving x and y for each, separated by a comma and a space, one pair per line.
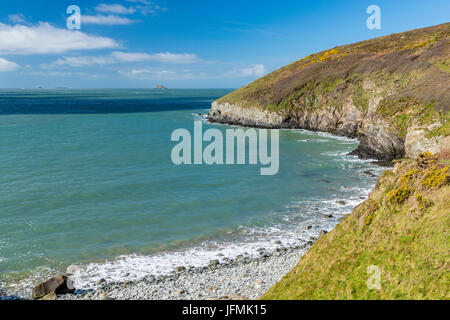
407, 74
402, 228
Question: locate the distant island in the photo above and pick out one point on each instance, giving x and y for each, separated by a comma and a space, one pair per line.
160, 86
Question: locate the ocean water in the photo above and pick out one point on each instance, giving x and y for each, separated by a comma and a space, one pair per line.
86, 178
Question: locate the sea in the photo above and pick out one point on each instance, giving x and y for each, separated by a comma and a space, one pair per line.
87, 179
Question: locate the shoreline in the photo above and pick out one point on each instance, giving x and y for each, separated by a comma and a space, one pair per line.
243, 278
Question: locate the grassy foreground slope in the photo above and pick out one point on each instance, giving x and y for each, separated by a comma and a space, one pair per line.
402, 228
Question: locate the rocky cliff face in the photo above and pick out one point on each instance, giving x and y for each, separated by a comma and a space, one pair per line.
377, 141
377, 138
391, 93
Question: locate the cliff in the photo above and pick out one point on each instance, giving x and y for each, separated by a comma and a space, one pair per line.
401, 231
391, 93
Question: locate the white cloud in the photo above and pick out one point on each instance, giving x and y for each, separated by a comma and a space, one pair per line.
159, 73
83, 75
148, 7
139, 1
256, 70
174, 58
118, 57
83, 61
44, 39
6, 66
115, 8
130, 57
109, 20
17, 18
156, 74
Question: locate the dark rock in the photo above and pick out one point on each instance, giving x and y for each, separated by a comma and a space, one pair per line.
308, 227
56, 285
342, 203
323, 232
214, 263
179, 292
179, 269
369, 173
328, 216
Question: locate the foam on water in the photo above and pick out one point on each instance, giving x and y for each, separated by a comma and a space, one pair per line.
248, 242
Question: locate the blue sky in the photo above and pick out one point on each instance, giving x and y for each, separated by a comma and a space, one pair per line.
183, 44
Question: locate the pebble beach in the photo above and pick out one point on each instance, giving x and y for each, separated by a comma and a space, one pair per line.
238, 279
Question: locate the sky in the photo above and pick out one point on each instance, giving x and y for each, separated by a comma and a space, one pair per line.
184, 44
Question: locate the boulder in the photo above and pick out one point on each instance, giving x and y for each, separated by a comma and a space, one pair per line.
323, 232
179, 269
179, 292
56, 285
214, 263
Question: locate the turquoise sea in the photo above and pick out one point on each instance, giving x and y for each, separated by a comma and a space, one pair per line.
86, 178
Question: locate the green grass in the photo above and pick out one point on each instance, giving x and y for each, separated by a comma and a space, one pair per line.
407, 241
